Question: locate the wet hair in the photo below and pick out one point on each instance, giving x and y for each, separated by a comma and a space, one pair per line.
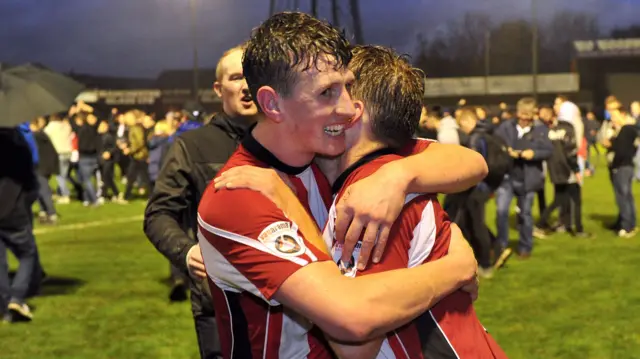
288, 43
392, 91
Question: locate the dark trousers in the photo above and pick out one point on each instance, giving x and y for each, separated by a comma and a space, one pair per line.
123, 162
542, 201
622, 180
568, 198
205, 320
475, 227
107, 168
504, 196
45, 197
137, 168
87, 166
23, 245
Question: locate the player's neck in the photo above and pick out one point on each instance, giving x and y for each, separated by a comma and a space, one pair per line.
270, 137
360, 149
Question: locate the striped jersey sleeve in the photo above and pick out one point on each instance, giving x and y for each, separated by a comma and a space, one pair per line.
248, 244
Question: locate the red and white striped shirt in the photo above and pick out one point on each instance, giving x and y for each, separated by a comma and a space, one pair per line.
421, 234
250, 248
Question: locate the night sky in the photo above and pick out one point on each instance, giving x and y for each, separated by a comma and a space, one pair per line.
143, 37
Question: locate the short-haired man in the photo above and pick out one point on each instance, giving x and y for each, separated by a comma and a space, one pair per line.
255, 255
387, 95
529, 145
621, 149
190, 163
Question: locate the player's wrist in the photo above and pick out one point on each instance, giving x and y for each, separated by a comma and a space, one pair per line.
400, 176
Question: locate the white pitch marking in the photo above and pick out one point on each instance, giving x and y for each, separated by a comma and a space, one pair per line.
83, 225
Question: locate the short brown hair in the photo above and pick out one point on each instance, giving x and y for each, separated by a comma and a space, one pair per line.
392, 91
286, 44
526, 105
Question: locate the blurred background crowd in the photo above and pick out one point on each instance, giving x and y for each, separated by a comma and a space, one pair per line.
547, 91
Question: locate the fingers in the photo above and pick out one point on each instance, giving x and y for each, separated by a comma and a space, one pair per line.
352, 237
368, 242
344, 216
195, 266
382, 243
199, 274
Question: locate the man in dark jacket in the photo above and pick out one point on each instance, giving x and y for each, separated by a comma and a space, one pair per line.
564, 173
107, 150
473, 218
18, 190
529, 145
190, 163
622, 148
85, 126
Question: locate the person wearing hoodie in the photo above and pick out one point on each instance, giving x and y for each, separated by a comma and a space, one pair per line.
564, 173
529, 146
60, 133
473, 222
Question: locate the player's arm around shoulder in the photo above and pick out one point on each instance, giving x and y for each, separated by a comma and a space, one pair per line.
433, 167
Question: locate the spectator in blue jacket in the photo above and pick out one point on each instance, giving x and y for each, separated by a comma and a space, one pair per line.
529, 145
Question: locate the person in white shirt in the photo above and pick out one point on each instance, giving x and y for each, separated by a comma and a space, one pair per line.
60, 133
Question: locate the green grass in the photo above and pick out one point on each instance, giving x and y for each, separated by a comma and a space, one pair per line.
572, 299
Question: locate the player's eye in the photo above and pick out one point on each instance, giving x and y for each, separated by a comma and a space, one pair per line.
328, 93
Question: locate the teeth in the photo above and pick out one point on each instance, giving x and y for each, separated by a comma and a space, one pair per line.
334, 130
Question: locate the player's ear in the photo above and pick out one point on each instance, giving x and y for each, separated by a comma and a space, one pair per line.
217, 88
359, 106
267, 99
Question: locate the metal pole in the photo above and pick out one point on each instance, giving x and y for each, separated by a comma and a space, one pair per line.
272, 7
296, 4
487, 60
194, 30
314, 8
534, 47
357, 21
335, 13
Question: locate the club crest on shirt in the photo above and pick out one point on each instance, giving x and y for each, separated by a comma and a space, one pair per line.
347, 269
283, 239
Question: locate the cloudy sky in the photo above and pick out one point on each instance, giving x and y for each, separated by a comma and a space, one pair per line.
143, 37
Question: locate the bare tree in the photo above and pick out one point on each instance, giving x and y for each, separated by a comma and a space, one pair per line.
558, 35
632, 31
459, 50
357, 22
